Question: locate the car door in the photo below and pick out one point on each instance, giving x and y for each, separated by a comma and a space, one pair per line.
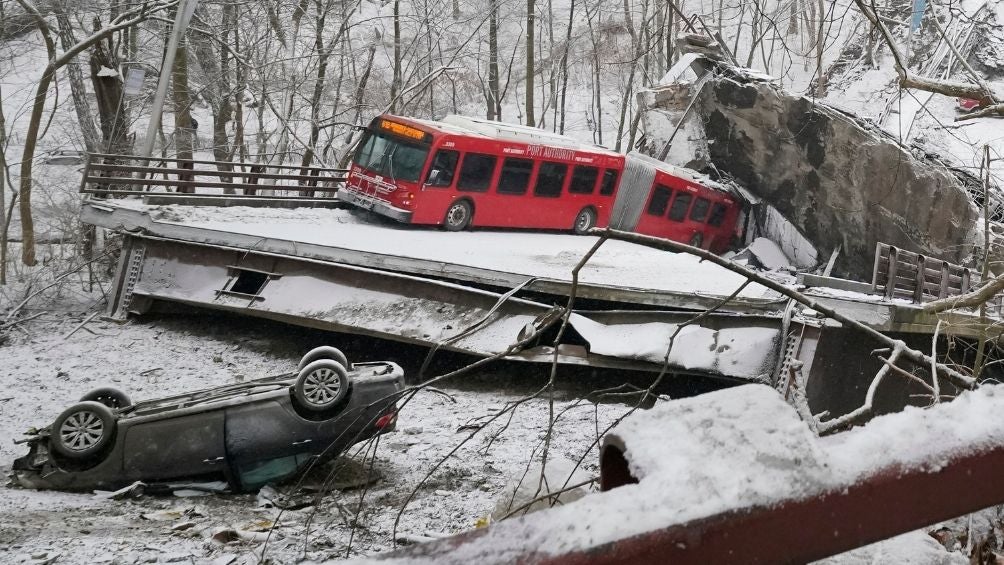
169, 447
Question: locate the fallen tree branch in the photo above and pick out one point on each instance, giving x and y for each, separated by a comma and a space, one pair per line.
80, 325
909, 80
58, 279
11, 324
969, 300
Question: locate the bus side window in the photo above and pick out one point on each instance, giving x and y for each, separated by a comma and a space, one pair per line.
609, 182
717, 214
660, 199
550, 179
476, 172
515, 176
583, 180
678, 211
444, 164
700, 210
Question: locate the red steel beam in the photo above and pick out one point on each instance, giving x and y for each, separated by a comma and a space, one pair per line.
887, 503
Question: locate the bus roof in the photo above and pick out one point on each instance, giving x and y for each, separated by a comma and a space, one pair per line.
463, 125
688, 174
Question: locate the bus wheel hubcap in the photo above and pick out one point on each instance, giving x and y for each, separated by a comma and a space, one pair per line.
457, 215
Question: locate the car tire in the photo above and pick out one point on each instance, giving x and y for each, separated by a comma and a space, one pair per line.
321, 385
697, 240
324, 352
585, 221
458, 216
82, 430
109, 396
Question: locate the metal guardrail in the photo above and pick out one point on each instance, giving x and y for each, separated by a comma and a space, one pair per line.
905, 274
128, 175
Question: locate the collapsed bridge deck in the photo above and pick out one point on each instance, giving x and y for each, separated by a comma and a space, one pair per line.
329, 269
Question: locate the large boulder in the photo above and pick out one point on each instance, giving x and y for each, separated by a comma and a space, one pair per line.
838, 179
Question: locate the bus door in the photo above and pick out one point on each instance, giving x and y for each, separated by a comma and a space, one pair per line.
549, 207
475, 179
436, 191
508, 204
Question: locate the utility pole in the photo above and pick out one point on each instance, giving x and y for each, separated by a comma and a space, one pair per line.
181, 20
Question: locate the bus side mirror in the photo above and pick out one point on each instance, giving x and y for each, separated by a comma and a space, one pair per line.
434, 176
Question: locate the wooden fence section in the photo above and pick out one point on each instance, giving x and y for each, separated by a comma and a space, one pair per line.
904, 274
124, 175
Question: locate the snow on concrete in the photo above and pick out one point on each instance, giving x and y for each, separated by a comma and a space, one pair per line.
739, 447
545, 255
738, 352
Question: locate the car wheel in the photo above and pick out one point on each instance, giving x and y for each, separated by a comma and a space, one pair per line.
697, 239
109, 396
321, 385
324, 352
82, 430
585, 221
458, 216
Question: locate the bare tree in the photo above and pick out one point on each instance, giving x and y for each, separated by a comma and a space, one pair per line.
56, 61
530, 61
976, 91
78, 91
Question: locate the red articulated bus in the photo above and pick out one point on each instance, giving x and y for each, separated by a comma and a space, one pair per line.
462, 172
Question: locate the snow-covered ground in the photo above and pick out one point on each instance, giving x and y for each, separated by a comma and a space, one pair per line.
43, 373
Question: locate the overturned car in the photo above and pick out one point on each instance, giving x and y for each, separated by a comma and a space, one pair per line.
247, 434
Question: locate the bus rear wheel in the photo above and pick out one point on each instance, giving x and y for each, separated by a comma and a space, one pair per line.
458, 216
585, 221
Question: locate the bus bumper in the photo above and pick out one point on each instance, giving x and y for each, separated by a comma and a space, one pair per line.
378, 206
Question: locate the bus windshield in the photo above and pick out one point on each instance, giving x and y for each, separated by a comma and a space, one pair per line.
391, 157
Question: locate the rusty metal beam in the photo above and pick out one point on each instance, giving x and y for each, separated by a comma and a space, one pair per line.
890, 502
828, 495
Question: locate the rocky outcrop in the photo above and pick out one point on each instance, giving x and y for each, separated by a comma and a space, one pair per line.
840, 181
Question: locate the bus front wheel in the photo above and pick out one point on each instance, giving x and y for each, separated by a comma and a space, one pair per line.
458, 216
585, 221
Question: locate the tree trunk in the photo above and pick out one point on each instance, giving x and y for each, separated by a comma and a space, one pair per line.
3, 189
315, 98
78, 91
564, 64
395, 84
360, 93
529, 61
216, 68
182, 100
110, 97
494, 103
